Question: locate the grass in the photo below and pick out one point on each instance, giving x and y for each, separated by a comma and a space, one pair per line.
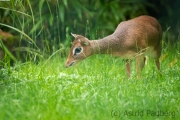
97, 88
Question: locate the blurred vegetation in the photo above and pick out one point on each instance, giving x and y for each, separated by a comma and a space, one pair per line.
49, 22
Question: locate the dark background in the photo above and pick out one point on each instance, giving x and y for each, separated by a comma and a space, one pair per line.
50, 22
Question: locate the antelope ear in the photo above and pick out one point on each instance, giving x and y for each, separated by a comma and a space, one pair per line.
74, 35
85, 43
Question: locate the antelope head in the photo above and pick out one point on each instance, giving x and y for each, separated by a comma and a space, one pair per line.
81, 49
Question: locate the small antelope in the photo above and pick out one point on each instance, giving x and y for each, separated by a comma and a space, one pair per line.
134, 38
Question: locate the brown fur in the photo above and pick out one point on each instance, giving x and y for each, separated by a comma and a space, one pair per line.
132, 39
8, 40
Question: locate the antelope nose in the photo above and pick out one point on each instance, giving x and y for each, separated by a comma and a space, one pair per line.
66, 65
71, 64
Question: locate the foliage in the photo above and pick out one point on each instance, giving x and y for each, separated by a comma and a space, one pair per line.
49, 22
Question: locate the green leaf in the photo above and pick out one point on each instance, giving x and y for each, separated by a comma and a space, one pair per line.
36, 26
61, 13
65, 3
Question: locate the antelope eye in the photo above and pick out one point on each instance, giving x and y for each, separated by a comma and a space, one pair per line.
77, 50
